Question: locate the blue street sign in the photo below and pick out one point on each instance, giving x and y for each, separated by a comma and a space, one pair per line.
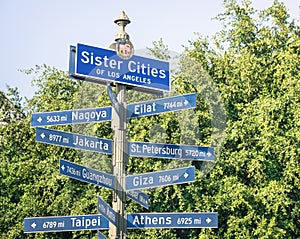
172, 151
139, 197
107, 211
113, 99
65, 223
172, 220
101, 236
163, 105
72, 140
98, 178
160, 178
85, 174
101, 65
78, 116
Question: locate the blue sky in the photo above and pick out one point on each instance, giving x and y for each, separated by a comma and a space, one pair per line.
35, 32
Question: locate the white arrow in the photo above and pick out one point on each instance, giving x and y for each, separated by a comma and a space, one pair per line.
43, 135
39, 119
63, 168
33, 225
208, 220
209, 154
186, 102
185, 175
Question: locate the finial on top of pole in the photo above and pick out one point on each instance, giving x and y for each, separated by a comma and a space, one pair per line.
123, 46
122, 17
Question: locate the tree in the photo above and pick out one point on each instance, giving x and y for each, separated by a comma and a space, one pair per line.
255, 62
30, 182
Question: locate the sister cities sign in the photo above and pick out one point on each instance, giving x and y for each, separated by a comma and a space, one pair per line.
101, 65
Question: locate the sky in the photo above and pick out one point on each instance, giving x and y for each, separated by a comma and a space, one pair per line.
37, 32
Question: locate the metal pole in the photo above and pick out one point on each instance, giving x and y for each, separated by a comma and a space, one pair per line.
119, 126
120, 158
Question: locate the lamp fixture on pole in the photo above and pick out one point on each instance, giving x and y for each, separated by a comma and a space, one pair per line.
123, 45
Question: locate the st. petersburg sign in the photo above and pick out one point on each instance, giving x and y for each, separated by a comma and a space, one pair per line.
101, 65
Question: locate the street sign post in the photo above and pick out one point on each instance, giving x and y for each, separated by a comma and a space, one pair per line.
163, 105
65, 223
119, 161
64, 117
107, 211
104, 66
172, 220
85, 174
72, 140
100, 65
171, 151
160, 178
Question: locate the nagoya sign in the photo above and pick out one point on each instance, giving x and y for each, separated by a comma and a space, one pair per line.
71, 116
96, 64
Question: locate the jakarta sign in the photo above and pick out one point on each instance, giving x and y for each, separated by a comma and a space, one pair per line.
101, 65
